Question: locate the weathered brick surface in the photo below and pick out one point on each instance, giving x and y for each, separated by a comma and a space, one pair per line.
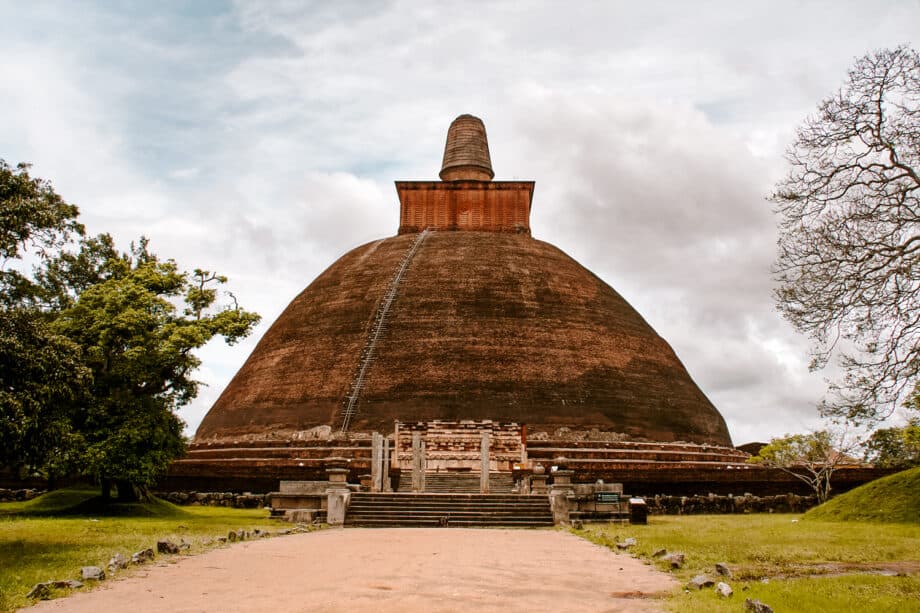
501, 206
486, 326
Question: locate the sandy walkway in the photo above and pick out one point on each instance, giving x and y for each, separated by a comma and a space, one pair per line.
388, 570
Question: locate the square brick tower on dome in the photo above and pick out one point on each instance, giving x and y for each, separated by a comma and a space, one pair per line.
461, 318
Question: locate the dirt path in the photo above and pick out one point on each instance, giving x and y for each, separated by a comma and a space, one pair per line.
388, 570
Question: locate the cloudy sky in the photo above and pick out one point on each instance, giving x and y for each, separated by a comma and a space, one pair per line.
261, 140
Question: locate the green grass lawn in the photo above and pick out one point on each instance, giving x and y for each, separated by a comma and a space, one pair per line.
891, 499
51, 537
786, 562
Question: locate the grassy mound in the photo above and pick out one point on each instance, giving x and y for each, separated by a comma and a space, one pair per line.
84, 501
894, 499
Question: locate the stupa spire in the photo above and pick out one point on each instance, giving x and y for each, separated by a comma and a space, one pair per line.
466, 153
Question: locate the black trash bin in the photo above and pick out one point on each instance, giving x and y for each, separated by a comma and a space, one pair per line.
638, 511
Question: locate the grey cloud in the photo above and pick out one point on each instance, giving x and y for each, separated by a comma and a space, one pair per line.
653, 131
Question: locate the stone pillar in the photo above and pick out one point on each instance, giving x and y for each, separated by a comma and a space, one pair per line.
524, 445
418, 462
562, 496
538, 481
525, 482
562, 479
484, 464
376, 461
337, 493
385, 466
396, 457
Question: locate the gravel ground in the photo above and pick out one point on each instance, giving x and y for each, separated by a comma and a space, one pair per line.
400, 569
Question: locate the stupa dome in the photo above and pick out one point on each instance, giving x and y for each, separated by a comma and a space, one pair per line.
463, 316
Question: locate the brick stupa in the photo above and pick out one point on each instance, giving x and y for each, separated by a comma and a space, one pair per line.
462, 315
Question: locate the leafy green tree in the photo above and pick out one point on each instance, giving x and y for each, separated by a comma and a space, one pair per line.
812, 458
139, 347
849, 246
97, 346
42, 378
42, 381
33, 218
895, 447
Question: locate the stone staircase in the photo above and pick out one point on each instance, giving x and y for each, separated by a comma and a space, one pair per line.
458, 483
448, 510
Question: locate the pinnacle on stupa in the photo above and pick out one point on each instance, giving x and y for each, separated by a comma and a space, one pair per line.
466, 153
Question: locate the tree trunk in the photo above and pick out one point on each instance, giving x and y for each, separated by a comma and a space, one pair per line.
106, 485
128, 492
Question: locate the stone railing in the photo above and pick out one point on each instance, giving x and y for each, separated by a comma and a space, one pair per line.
713, 504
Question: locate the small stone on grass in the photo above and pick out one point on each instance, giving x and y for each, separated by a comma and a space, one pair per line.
167, 546
723, 569
701, 581
724, 590
144, 555
755, 606
92, 573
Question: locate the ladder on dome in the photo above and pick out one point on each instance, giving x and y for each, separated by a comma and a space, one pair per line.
378, 328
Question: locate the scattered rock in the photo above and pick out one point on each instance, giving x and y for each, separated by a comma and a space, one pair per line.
221, 539
659, 553
92, 573
207, 542
723, 569
117, 562
577, 525
185, 545
676, 560
237, 535
701, 581
755, 606
40, 590
630, 542
216, 499
18, 495
167, 546
724, 590
67, 583
144, 555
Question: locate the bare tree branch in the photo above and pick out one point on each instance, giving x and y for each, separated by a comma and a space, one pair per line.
848, 263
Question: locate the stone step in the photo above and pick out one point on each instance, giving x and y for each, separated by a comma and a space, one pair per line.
451, 524
462, 482
454, 509
370, 514
449, 498
410, 498
445, 509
